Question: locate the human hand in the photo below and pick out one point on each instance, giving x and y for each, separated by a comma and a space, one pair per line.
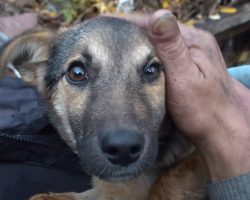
202, 98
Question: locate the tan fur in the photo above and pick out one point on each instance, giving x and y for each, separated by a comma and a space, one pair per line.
61, 196
187, 181
67, 100
156, 93
38, 42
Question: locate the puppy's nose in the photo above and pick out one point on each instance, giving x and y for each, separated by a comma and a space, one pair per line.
122, 147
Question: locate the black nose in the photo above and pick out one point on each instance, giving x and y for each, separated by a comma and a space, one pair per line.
122, 147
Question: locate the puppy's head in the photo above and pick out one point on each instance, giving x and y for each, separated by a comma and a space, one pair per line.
106, 93
107, 96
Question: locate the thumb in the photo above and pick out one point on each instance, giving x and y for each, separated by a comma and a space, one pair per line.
170, 45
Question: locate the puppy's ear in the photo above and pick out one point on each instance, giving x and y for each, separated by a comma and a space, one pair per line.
28, 54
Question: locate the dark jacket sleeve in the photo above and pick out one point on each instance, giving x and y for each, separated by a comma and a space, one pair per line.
33, 158
21, 107
236, 188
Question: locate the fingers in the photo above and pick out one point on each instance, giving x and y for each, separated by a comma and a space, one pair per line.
172, 50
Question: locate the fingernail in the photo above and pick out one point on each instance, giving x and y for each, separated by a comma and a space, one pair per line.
164, 24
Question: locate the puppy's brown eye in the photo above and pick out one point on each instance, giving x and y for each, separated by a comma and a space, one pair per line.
152, 71
77, 72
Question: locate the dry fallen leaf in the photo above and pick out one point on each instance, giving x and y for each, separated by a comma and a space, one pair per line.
228, 10
190, 22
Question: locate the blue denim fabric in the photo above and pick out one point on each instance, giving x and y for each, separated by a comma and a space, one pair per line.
242, 74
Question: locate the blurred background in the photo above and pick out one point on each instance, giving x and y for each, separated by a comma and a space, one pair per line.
228, 20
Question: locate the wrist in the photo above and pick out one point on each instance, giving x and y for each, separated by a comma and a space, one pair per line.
226, 145
228, 156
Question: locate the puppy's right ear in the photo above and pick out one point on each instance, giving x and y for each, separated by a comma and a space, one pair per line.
28, 54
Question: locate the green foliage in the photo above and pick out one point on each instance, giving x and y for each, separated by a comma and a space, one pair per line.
73, 8
69, 11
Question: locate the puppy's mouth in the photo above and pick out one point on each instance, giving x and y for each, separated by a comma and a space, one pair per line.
115, 173
122, 174
123, 177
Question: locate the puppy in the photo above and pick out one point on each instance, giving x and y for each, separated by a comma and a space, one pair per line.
30, 48
105, 89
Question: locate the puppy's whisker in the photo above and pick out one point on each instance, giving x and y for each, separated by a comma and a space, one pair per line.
103, 171
148, 163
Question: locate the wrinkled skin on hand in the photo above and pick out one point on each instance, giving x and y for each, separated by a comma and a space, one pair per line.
202, 98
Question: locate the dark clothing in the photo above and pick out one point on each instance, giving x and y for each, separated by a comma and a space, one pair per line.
33, 159
235, 188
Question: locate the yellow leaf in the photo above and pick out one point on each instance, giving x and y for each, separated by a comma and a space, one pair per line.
228, 10
165, 4
102, 7
244, 56
53, 14
190, 22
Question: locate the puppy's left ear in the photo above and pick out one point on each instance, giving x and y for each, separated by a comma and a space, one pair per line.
28, 55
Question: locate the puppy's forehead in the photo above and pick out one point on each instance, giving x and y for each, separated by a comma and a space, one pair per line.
109, 39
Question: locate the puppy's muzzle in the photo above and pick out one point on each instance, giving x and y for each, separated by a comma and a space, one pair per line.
122, 147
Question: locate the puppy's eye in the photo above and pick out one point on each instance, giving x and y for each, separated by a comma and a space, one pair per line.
77, 72
152, 71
